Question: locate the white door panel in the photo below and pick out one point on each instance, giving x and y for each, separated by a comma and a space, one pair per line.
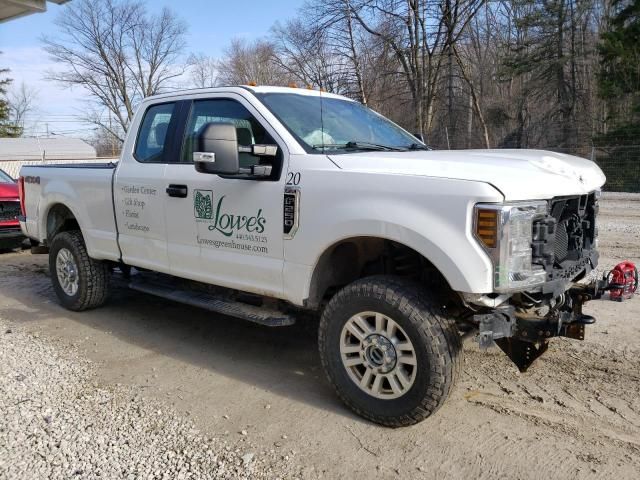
139, 193
227, 231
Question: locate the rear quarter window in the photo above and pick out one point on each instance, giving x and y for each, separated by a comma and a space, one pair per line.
152, 137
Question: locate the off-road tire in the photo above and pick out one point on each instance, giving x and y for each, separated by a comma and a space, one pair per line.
93, 275
431, 330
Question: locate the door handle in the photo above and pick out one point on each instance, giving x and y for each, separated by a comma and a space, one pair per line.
179, 191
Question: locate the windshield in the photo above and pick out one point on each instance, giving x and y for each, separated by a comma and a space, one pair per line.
344, 125
4, 178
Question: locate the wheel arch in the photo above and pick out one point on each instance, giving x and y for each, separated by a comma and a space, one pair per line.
356, 257
58, 218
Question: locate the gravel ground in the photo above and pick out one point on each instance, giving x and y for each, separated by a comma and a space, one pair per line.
620, 214
57, 423
145, 388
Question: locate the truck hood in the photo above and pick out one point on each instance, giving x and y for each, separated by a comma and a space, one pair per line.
8, 190
518, 174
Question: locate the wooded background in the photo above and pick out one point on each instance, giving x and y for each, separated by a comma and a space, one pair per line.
562, 75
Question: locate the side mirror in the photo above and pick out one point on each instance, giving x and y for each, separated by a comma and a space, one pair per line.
216, 149
217, 152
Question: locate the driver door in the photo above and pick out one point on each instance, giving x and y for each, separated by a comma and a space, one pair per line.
226, 231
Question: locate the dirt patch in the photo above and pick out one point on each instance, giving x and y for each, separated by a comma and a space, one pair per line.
575, 414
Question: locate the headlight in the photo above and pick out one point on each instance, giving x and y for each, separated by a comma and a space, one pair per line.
505, 232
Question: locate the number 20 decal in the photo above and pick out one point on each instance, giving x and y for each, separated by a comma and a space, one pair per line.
293, 178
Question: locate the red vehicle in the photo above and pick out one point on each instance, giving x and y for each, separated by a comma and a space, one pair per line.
10, 233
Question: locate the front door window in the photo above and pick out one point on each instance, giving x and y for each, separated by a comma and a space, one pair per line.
248, 129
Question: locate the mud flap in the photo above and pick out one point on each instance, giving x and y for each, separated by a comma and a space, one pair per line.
522, 353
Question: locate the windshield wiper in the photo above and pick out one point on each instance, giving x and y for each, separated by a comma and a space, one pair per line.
418, 146
353, 145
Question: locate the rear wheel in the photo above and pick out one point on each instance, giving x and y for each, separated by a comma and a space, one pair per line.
79, 281
391, 353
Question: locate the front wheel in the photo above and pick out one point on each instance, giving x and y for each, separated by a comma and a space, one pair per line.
80, 282
392, 354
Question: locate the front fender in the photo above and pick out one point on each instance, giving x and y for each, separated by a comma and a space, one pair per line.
464, 265
432, 216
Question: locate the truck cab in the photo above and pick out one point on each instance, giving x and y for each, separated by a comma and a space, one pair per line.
281, 201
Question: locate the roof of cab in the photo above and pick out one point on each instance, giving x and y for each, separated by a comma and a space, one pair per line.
241, 88
312, 92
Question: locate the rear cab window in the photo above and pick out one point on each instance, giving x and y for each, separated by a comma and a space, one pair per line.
152, 136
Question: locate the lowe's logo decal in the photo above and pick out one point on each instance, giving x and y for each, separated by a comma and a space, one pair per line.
221, 221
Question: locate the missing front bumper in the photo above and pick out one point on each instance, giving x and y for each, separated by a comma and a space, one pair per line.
524, 338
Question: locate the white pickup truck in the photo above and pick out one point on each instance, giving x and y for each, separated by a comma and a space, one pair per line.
265, 203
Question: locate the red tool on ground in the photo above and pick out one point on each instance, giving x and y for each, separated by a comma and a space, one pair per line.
622, 281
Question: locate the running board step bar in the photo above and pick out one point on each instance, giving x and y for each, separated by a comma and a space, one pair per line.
251, 313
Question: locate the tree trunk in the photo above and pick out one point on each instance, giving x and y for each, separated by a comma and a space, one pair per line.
473, 98
354, 56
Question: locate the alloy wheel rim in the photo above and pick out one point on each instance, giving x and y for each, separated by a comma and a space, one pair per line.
378, 355
67, 272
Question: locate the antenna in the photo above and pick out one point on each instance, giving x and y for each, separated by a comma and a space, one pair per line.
321, 121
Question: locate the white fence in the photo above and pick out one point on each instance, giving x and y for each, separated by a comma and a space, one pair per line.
12, 167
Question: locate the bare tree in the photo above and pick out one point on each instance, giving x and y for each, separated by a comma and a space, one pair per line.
22, 101
118, 52
203, 70
245, 62
467, 73
418, 32
474, 98
7, 127
341, 41
303, 52
105, 143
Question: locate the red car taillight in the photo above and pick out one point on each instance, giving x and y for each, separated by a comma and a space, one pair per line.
23, 210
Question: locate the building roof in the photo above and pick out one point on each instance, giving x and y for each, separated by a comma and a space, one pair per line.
47, 148
10, 9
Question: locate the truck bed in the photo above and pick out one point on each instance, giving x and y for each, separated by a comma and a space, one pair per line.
85, 189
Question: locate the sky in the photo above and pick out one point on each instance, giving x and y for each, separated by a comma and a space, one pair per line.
211, 26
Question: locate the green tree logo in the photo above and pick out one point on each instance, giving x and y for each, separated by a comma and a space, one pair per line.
203, 204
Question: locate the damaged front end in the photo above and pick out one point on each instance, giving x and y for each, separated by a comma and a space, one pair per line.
540, 252
523, 331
